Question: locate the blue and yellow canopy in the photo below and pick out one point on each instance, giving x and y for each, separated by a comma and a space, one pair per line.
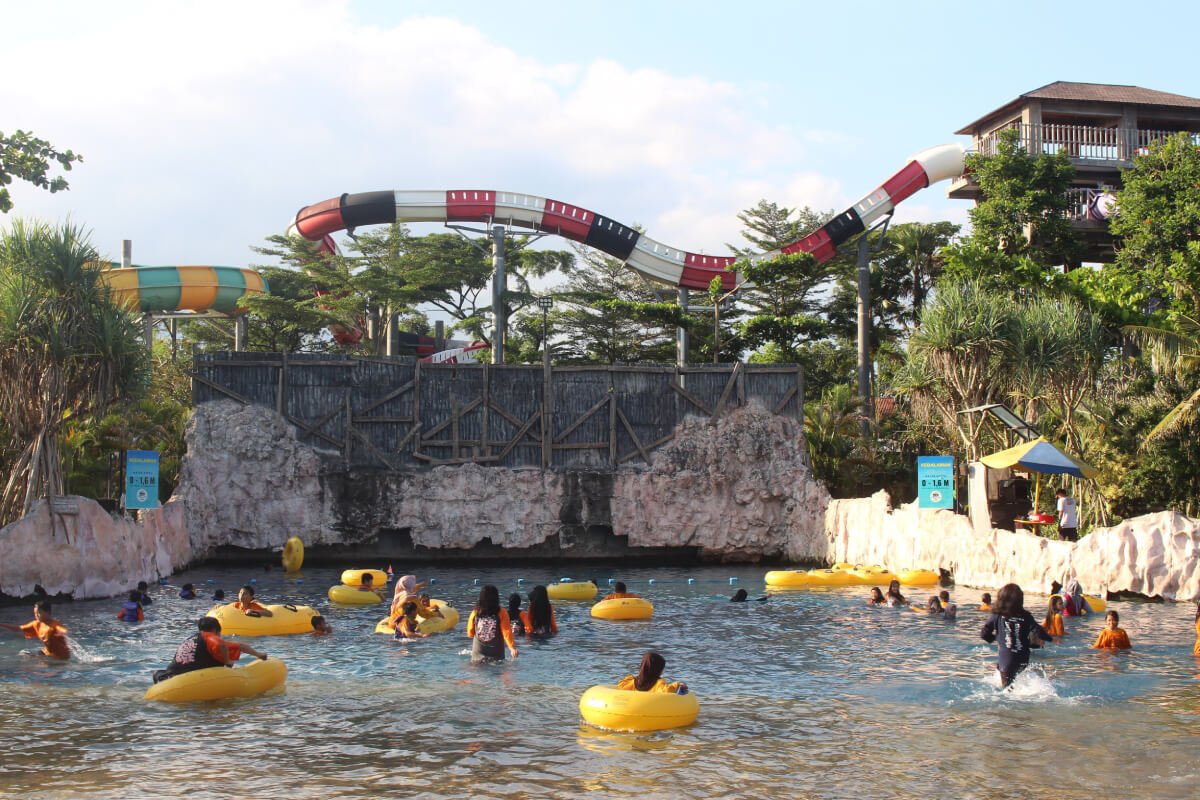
1041, 456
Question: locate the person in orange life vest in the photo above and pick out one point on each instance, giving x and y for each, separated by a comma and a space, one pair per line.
406, 626
618, 592
539, 621
649, 677
490, 628
131, 611
985, 602
205, 649
1053, 623
1112, 637
248, 604
46, 628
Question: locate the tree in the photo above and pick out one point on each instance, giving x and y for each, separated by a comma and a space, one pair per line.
66, 352
1175, 351
915, 248
28, 158
1158, 226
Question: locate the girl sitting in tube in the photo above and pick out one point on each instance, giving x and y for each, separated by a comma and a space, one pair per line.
619, 592
406, 626
894, 598
538, 621
877, 598
490, 628
649, 677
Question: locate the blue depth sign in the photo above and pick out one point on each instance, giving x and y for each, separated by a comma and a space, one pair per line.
935, 481
141, 479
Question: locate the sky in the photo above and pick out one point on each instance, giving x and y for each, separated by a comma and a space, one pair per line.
204, 127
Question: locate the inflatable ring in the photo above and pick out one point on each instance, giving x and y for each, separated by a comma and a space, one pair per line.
285, 619
1096, 604
845, 565
626, 710
293, 554
216, 683
918, 577
828, 577
447, 622
871, 576
353, 596
623, 608
788, 579
353, 577
572, 591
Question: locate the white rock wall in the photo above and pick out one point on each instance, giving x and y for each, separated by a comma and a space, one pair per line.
1154, 555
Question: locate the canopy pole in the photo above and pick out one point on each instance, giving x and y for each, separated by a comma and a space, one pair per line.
1037, 491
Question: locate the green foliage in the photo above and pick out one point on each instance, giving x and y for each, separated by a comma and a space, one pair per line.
1158, 225
28, 158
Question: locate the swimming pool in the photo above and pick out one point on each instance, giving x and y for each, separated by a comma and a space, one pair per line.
811, 694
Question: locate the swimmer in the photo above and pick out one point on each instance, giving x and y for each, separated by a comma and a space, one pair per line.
406, 626
219, 595
131, 611
187, 592
539, 621
1011, 627
894, 598
490, 628
876, 598
46, 628
740, 596
514, 615
1196, 646
949, 608
1112, 637
143, 597
934, 606
649, 677
367, 584
1053, 623
985, 602
249, 605
619, 591
320, 626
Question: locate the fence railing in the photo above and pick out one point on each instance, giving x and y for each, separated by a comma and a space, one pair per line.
394, 413
1081, 141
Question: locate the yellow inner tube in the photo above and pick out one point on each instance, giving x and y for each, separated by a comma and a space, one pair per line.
1096, 604
284, 620
572, 591
788, 578
447, 622
353, 596
293, 554
623, 608
216, 683
353, 577
917, 577
622, 710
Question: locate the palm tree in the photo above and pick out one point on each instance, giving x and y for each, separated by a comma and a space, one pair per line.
1172, 350
918, 243
66, 352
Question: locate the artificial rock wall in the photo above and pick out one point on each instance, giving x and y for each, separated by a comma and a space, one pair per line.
1153, 555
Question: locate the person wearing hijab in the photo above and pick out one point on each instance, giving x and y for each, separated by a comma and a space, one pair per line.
407, 589
649, 677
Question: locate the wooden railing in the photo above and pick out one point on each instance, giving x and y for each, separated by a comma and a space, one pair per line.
1081, 142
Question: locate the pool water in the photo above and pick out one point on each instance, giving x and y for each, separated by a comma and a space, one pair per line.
810, 694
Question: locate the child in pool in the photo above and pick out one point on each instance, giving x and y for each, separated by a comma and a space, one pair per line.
131, 611
1053, 623
249, 605
490, 628
1112, 637
894, 598
515, 617
188, 592
876, 598
949, 608
619, 591
740, 596
205, 649
1011, 627
144, 598
934, 606
539, 621
46, 628
367, 583
406, 625
649, 677
219, 595
320, 626
985, 602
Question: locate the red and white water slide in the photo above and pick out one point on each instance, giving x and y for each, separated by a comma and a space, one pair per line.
653, 259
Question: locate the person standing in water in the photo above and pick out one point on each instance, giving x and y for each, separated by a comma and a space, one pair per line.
1011, 627
490, 628
46, 628
1112, 637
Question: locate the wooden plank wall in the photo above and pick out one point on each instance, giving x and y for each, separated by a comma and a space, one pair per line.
394, 413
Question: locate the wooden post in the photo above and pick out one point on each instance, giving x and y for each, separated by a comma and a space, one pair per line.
417, 407
612, 423
346, 446
454, 446
547, 439
280, 393
485, 446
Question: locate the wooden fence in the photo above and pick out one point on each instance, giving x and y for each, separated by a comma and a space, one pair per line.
394, 413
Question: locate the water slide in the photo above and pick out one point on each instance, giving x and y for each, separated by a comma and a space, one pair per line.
653, 259
196, 289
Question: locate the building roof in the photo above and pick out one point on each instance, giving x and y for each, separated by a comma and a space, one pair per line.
1091, 92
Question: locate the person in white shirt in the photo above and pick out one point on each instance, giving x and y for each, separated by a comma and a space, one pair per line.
1068, 519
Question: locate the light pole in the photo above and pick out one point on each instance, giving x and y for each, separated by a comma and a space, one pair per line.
545, 304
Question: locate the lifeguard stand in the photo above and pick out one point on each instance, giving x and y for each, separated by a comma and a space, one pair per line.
1101, 127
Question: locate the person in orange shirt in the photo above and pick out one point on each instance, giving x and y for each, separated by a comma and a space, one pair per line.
490, 628
618, 592
1112, 637
985, 602
539, 619
649, 677
46, 628
248, 604
406, 625
1053, 623
1196, 647
205, 649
